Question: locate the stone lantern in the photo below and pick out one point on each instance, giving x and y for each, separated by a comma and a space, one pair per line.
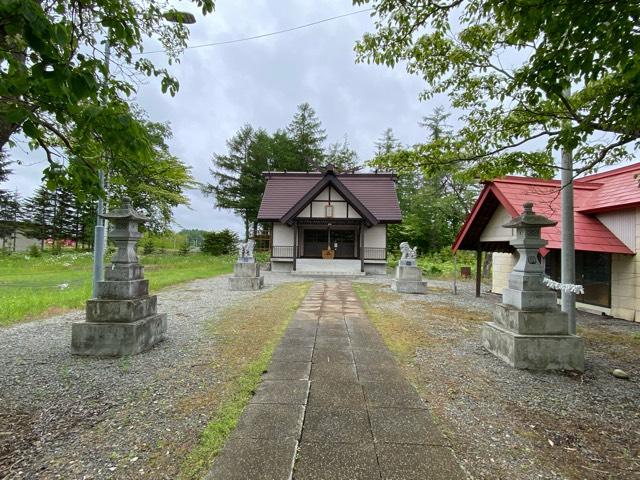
528, 329
123, 319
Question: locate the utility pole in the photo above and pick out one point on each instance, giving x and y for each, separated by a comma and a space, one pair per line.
568, 254
99, 237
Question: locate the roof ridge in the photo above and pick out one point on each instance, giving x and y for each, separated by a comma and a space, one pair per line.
612, 172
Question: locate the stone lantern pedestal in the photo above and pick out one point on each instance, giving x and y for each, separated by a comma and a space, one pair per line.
246, 275
122, 320
408, 278
528, 329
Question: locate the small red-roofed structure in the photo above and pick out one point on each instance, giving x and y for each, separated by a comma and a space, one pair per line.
607, 213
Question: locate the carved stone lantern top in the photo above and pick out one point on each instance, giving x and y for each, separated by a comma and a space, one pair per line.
529, 218
528, 241
125, 212
125, 232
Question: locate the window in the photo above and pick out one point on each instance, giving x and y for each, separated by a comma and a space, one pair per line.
593, 272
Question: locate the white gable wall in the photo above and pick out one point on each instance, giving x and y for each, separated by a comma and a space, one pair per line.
622, 224
494, 231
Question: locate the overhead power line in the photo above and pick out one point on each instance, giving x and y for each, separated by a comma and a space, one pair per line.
270, 34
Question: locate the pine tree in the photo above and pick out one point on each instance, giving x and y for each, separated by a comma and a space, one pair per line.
435, 124
387, 143
308, 136
39, 215
10, 216
342, 156
240, 183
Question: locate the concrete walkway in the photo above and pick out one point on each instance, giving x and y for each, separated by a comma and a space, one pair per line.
333, 405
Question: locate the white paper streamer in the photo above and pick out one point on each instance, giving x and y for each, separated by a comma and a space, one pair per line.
563, 287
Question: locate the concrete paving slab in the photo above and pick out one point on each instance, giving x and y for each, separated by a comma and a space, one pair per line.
286, 392
270, 421
335, 461
300, 332
366, 341
368, 372
402, 425
339, 372
417, 462
332, 354
329, 393
332, 332
257, 459
333, 341
292, 353
308, 342
336, 424
394, 394
379, 356
287, 371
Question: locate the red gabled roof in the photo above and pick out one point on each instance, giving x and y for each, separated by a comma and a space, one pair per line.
513, 192
376, 193
617, 189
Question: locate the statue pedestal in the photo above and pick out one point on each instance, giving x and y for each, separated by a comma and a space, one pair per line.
408, 278
535, 340
528, 330
246, 276
122, 320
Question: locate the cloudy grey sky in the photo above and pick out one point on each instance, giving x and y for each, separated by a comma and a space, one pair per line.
261, 82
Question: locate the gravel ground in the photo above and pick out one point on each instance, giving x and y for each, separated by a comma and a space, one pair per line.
507, 423
73, 417
64, 416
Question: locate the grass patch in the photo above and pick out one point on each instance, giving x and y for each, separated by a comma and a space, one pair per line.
34, 287
401, 335
248, 334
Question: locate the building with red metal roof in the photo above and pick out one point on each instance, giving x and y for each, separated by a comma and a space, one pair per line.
329, 221
606, 216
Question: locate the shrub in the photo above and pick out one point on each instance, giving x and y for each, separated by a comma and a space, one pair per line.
34, 251
147, 246
262, 257
56, 248
223, 242
184, 248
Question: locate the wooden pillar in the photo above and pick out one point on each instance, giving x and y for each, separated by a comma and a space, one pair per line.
478, 270
361, 241
295, 244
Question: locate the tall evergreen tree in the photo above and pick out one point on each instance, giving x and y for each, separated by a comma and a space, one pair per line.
434, 202
342, 156
238, 174
387, 143
10, 216
308, 136
39, 216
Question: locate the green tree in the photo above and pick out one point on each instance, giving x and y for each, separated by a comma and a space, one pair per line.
434, 202
388, 143
55, 77
342, 156
156, 187
10, 210
508, 64
223, 242
39, 217
234, 177
308, 136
